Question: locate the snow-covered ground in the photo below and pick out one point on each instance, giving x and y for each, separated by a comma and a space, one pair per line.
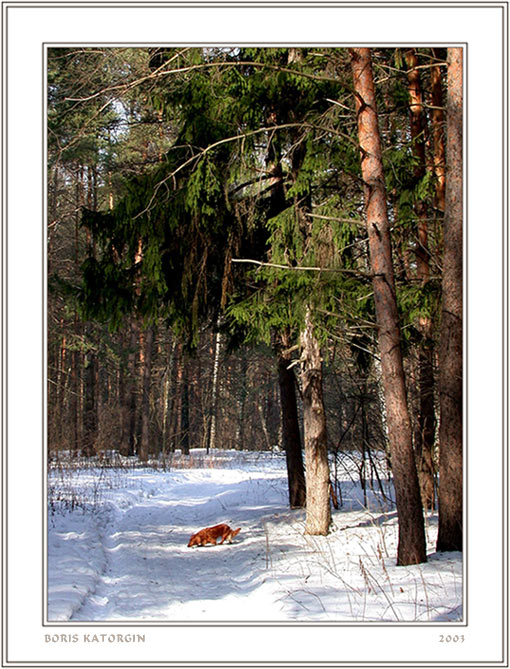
117, 550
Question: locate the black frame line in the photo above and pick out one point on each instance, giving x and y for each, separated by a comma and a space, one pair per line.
268, 623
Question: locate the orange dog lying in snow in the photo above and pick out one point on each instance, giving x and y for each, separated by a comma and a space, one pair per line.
209, 535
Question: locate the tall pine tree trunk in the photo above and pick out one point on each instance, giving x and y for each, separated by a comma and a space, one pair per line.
411, 546
318, 512
437, 127
76, 363
90, 420
450, 377
427, 414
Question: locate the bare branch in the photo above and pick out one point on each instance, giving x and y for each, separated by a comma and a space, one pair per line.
159, 73
301, 268
339, 220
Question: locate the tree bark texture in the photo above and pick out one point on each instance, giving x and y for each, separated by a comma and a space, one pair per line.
411, 547
418, 144
451, 343
318, 512
291, 437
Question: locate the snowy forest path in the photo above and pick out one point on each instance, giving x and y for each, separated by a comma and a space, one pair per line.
151, 574
120, 554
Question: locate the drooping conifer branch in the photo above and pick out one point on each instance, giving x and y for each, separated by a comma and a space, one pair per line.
228, 140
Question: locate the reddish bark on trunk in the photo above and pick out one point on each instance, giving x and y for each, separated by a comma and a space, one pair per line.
451, 364
411, 546
425, 435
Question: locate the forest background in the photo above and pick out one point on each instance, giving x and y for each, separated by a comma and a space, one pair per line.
222, 218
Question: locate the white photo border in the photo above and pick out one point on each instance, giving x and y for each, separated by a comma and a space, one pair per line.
28, 29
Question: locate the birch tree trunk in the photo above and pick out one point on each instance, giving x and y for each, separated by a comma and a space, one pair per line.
411, 545
214, 394
451, 345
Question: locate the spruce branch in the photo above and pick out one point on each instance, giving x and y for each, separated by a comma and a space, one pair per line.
226, 140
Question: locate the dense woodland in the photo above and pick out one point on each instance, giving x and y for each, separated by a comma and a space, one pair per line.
261, 248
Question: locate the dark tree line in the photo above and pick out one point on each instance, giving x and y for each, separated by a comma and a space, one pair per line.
258, 247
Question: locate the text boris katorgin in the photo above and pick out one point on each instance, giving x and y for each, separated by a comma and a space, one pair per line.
94, 638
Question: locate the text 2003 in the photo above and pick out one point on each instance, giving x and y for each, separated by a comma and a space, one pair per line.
451, 638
